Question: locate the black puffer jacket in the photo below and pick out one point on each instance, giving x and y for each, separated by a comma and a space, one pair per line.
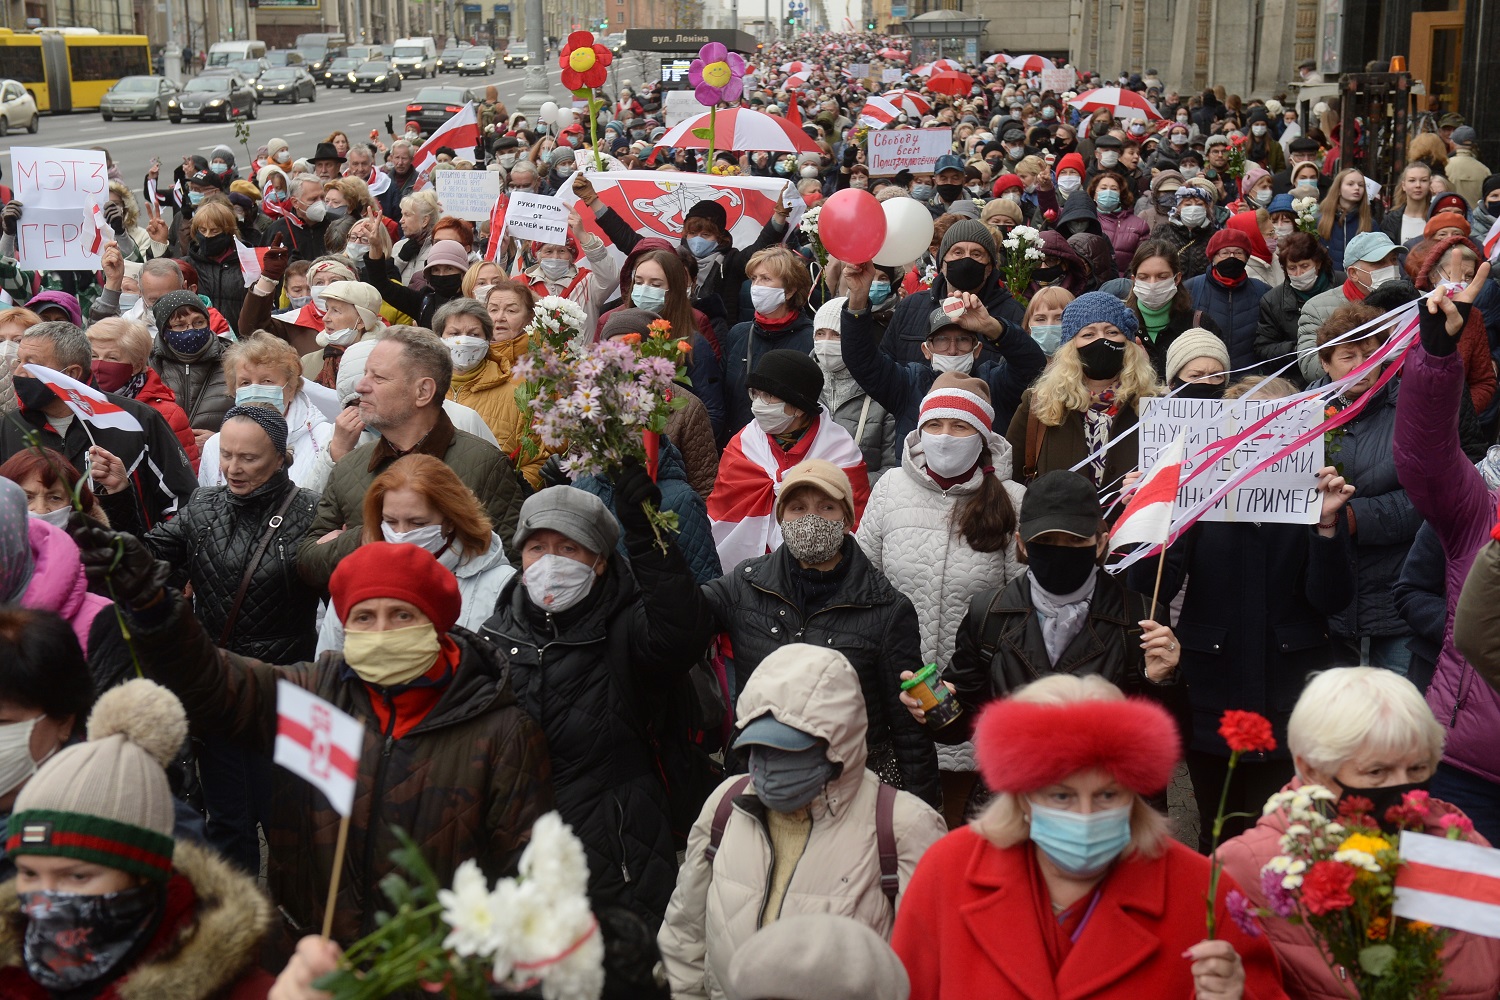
224, 284
591, 676
1276, 330
199, 385
211, 542
760, 605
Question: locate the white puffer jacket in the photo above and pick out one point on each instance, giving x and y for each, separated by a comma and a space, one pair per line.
908, 533
717, 905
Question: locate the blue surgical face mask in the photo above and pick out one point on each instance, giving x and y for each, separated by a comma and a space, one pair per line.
921, 192
195, 197
648, 297
1080, 844
702, 246
1048, 336
245, 395
879, 292
219, 168
128, 300
1107, 200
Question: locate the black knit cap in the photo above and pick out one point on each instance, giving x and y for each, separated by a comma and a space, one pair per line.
710, 210
790, 376
269, 420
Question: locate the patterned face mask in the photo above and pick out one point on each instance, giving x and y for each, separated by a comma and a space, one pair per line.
73, 940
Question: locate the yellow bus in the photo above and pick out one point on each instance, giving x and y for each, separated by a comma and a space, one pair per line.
69, 69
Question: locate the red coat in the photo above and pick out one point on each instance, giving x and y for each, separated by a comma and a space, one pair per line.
967, 928
163, 400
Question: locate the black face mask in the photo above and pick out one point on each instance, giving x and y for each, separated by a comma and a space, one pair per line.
1102, 359
1200, 390
445, 284
32, 392
1060, 569
965, 274
1230, 269
1046, 275
214, 246
1383, 798
950, 192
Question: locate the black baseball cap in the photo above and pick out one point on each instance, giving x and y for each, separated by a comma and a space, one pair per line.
1060, 501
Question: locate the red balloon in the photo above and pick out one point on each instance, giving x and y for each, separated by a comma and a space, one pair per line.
852, 226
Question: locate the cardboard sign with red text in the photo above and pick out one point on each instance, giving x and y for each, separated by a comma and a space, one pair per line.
915, 149
59, 187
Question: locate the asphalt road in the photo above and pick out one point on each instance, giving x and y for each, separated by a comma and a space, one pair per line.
132, 144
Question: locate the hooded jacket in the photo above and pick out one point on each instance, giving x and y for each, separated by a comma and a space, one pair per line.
1125, 230
57, 581
717, 904
1149, 207
1077, 274
1235, 312
1473, 342
1079, 215
199, 384
206, 948
490, 391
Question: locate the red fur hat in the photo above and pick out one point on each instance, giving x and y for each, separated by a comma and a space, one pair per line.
1023, 746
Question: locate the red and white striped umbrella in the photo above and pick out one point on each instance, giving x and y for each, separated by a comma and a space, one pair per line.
909, 101
795, 66
1029, 63
949, 82
893, 54
741, 129
795, 82
998, 57
937, 66
1118, 102
878, 112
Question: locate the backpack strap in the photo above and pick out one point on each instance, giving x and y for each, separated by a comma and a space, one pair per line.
721, 817
989, 633
885, 841
1036, 432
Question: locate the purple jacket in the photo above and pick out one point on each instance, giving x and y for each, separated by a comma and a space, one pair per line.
57, 581
1125, 231
1450, 494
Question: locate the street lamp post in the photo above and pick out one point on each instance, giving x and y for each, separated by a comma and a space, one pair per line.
536, 63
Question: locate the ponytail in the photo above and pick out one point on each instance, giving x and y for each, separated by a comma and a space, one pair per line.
987, 520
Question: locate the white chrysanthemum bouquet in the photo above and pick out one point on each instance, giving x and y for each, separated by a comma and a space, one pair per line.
1023, 253
534, 930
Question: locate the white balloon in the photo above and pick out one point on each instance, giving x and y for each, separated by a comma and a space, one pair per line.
547, 114
566, 117
908, 232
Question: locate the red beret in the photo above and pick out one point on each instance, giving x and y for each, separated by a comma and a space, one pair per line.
1025, 746
1445, 220
1226, 238
401, 571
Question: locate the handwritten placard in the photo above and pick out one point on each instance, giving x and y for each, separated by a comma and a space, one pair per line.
914, 149
1284, 492
1058, 80
858, 71
890, 76
58, 188
539, 217
468, 194
679, 106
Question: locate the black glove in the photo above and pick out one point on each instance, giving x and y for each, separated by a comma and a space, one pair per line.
390, 125
552, 472
1433, 328
115, 216
10, 217
136, 576
633, 488
851, 152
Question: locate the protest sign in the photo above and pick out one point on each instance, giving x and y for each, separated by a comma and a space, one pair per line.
679, 106
890, 76
539, 217
468, 194
917, 150
1284, 492
858, 71
58, 187
1058, 80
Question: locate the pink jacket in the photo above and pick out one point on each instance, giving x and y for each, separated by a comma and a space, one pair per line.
1472, 963
57, 581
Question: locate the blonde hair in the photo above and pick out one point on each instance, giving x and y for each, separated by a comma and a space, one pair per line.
471, 276
1030, 166
127, 203
1347, 710
214, 213
1328, 211
1046, 297
425, 203
1005, 822
1060, 389
788, 268
134, 339
1275, 388
264, 350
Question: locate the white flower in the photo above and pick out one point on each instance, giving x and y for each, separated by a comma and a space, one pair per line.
1292, 882
1032, 253
580, 976
554, 859
468, 909
1025, 233
1318, 792
1278, 864
1298, 830
1359, 859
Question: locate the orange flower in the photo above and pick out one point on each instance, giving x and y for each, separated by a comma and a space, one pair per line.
630, 338
1379, 928
683, 347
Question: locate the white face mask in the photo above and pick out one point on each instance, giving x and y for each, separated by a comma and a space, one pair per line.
429, 537
468, 352
830, 355
1154, 294
1068, 183
1108, 158
1193, 215
1381, 275
356, 251
1302, 282
951, 456
338, 338
128, 300
1283, 230
554, 269
557, 583
58, 519
16, 763
771, 415
482, 293
318, 294
767, 299
1258, 129
10, 350
953, 363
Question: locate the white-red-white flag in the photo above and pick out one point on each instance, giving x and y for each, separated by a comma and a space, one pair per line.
318, 743
1450, 883
459, 133
87, 403
252, 261
1148, 515
1491, 243
878, 112
96, 232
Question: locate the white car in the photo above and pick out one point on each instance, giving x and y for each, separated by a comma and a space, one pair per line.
17, 108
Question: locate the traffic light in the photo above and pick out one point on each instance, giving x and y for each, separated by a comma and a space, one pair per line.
604, 24
792, 20
869, 25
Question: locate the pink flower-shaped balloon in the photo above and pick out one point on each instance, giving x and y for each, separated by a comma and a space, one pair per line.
717, 75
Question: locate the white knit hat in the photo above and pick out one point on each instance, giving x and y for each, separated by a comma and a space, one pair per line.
1195, 342
829, 315
364, 298
959, 397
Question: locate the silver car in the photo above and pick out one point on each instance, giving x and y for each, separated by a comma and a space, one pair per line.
17, 108
138, 97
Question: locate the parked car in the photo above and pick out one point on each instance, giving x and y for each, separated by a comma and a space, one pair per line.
374, 75
17, 108
475, 59
213, 95
364, 53
435, 105
137, 97
337, 73
516, 54
615, 42
251, 69
290, 83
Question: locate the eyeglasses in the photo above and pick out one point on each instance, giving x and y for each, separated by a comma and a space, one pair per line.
952, 343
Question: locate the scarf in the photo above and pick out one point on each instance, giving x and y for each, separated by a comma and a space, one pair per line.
1062, 615
1353, 292
328, 375
133, 388
1154, 320
1096, 424
776, 325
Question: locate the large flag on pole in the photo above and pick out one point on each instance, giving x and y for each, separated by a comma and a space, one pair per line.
1450, 883
460, 133
319, 743
87, 403
1148, 515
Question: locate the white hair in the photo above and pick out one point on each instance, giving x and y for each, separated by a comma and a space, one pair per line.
1348, 711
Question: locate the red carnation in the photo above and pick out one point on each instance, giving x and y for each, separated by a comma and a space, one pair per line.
1325, 887
1246, 732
